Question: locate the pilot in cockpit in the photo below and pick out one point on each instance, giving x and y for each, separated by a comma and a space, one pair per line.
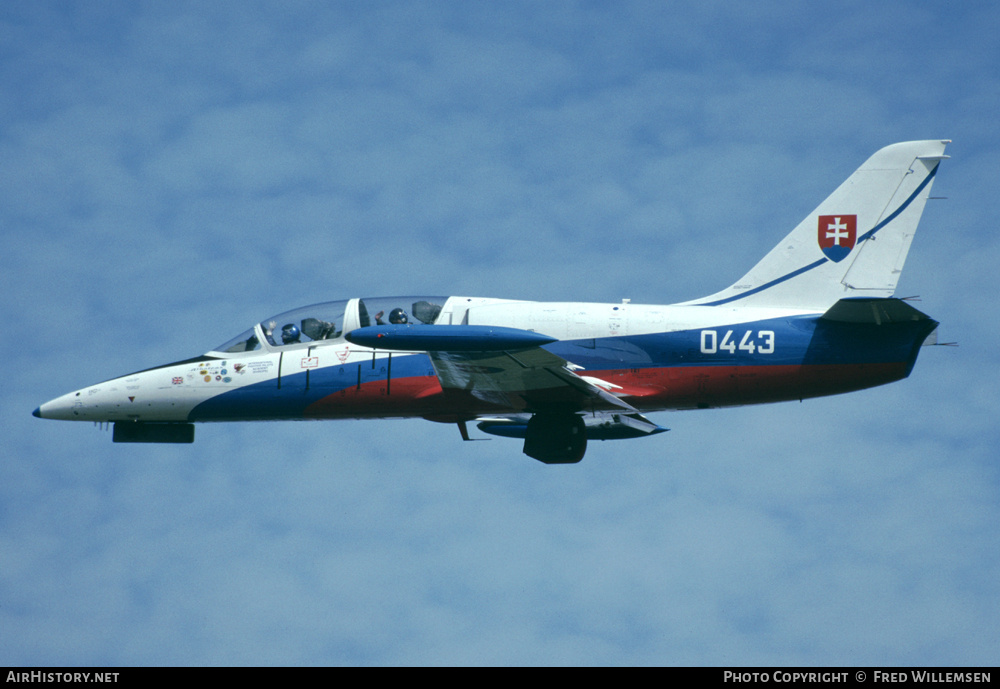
397, 317
290, 334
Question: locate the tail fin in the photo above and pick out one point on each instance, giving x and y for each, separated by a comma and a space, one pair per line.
854, 244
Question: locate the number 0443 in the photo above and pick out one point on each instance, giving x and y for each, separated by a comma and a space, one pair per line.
763, 343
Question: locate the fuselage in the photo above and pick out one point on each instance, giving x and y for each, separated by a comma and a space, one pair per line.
653, 357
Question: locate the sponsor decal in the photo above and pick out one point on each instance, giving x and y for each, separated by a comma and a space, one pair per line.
227, 379
208, 379
260, 366
836, 235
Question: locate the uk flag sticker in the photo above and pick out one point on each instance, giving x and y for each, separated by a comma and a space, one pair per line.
837, 234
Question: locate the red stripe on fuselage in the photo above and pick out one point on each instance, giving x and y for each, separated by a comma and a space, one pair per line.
415, 396
686, 387
648, 389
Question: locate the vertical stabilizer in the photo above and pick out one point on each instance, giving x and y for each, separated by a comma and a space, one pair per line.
854, 243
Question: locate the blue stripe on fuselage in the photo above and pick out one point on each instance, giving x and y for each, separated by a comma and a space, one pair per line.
793, 341
801, 340
264, 400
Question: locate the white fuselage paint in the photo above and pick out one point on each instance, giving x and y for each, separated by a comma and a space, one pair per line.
169, 393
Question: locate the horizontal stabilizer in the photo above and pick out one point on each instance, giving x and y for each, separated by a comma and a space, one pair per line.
873, 310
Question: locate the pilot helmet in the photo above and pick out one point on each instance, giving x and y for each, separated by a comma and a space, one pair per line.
290, 333
397, 316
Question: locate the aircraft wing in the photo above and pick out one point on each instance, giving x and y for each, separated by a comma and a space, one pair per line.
529, 379
505, 367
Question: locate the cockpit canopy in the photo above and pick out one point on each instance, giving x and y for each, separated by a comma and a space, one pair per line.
332, 320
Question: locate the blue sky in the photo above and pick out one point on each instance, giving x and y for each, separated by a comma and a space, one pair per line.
174, 172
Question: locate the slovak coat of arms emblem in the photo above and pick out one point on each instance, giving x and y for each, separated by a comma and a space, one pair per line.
837, 235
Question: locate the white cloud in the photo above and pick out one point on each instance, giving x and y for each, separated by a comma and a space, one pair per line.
204, 167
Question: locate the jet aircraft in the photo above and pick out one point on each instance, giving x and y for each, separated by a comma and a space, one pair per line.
816, 316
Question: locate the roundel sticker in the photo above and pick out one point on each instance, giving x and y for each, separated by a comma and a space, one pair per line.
837, 234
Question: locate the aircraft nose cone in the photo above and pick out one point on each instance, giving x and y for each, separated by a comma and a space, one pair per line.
37, 413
